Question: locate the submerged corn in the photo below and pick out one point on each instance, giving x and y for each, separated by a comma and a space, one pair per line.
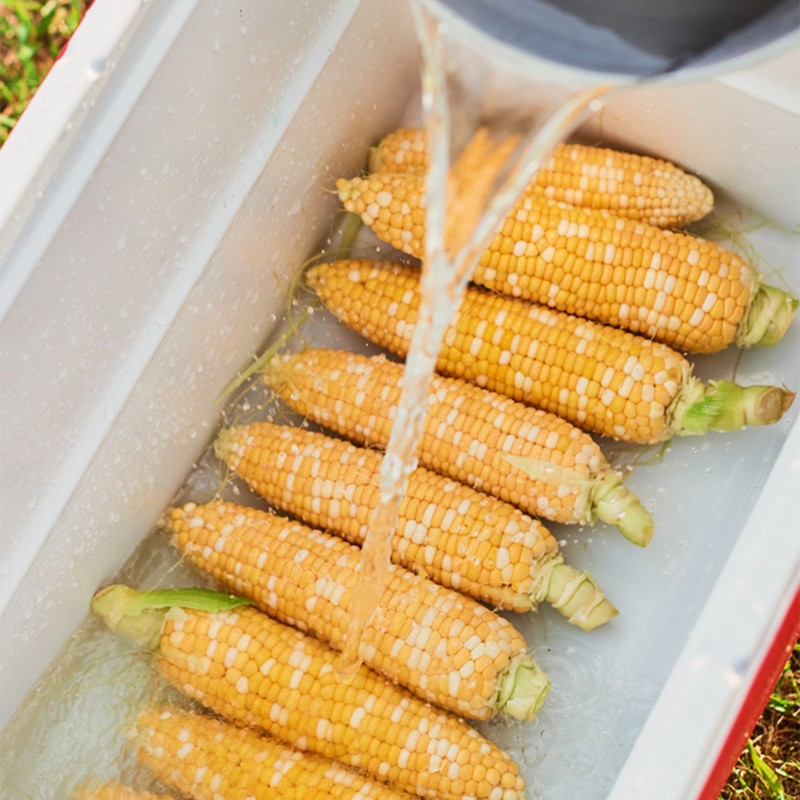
690, 293
459, 537
207, 759
253, 670
443, 646
632, 186
603, 379
118, 791
538, 462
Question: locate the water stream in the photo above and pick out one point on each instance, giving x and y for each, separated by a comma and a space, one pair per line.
477, 168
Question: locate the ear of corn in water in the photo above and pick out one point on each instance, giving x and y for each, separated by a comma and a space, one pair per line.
253, 670
438, 643
462, 538
113, 790
606, 380
525, 456
204, 757
591, 261
632, 186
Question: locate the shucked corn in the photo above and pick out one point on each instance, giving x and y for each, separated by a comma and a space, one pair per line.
207, 759
679, 289
459, 537
632, 186
441, 645
253, 670
603, 379
530, 458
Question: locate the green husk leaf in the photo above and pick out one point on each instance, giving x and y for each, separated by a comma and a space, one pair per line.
350, 228
139, 615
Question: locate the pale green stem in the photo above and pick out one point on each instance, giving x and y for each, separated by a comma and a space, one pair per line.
768, 317
576, 595
615, 504
726, 406
522, 688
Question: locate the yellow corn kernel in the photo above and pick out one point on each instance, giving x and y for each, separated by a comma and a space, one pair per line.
680, 289
631, 186
402, 151
537, 461
305, 578
252, 670
207, 759
117, 791
453, 534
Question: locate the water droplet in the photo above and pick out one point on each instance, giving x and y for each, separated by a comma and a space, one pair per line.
94, 68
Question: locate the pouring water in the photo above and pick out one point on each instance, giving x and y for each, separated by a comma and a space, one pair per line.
519, 76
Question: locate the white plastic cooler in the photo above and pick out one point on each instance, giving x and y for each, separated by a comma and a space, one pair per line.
172, 173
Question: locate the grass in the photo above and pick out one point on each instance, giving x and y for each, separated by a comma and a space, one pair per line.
32, 34
769, 767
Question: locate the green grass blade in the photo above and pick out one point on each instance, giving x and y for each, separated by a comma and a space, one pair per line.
771, 781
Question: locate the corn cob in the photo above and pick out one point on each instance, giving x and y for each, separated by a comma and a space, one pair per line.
443, 646
605, 380
538, 462
631, 186
679, 289
457, 536
117, 791
207, 759
244, 665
